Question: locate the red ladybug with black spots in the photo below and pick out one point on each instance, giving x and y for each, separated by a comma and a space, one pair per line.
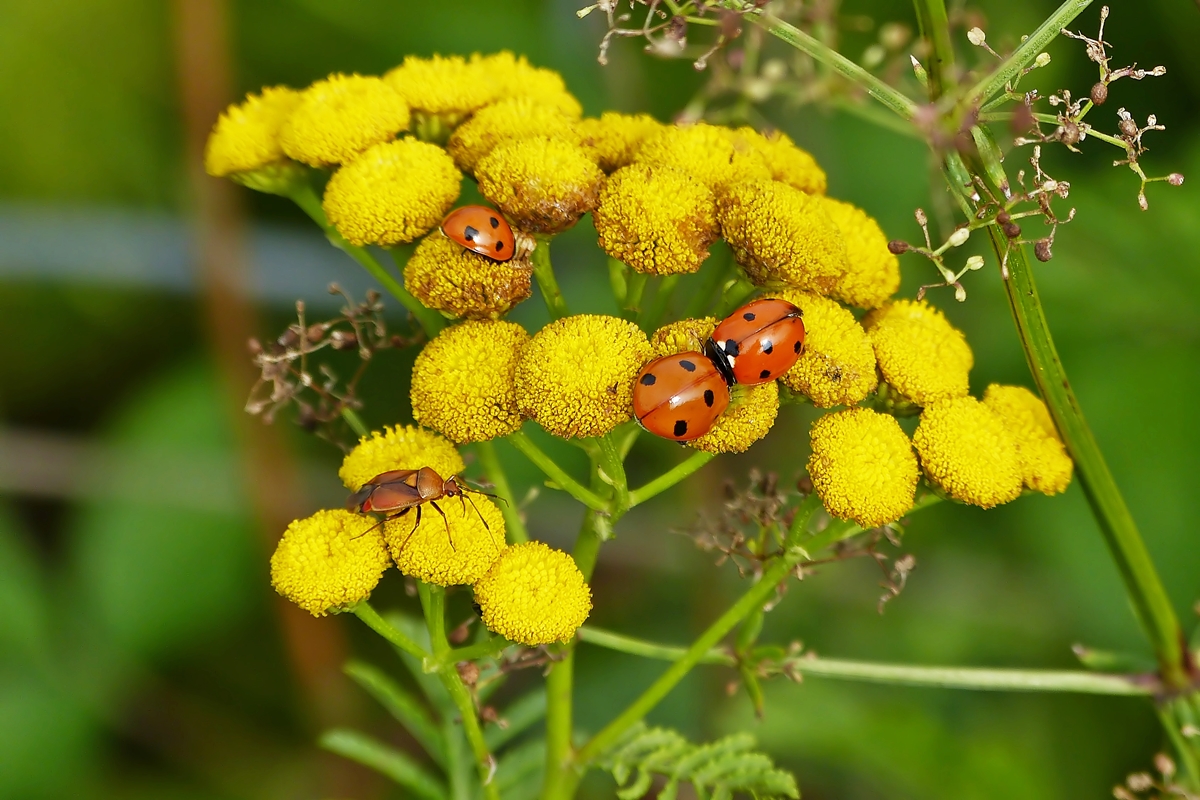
757, 343
480, 230
680, 396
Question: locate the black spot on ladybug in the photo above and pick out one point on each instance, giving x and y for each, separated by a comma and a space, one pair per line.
748, 316
495, 222
709, 397
688, 365
648, 379
470, 233
766, 373
768, 347
499, 246
680, 427
731, 348
796, 347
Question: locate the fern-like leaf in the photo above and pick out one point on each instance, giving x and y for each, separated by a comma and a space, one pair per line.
718, 770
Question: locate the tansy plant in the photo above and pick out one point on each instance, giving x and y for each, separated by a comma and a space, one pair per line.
379, 162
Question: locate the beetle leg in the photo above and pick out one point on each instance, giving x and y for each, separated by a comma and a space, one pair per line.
383, 521
438, 509
486, 527
416, 525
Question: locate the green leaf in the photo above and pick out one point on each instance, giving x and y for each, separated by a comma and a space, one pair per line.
519, 766
378, 756
24, 625
520, 715
401, 705
718, 769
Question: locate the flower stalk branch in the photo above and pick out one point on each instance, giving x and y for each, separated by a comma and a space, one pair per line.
543, 273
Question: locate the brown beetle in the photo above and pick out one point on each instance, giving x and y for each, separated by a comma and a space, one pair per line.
396, 492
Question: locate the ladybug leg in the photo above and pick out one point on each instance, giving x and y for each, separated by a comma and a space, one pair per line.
438, 509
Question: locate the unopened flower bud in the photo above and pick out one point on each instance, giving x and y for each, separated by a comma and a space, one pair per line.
1175, 179
974, 263
976, 36
1041, 249
922, 220
1003, 218
1012, 230
1042, 59
960, 293
1099, 92
1127, 127
343, 340
959, 237
897, 247
1143, 203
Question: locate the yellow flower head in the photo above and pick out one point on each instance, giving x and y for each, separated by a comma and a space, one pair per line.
613, 139
788, 163
863, 466
339, 117
541, 185
921, 355
968, 452
246, 136
462, 382
398, 447
872, 272
837, 367
750, 415
446, 86
392, 193
508, 120
534, 595
656, 219
779, 233
450, 551
515, 77
681, 336
575, 377
329, 561
448, 277
710, 154
1045, 465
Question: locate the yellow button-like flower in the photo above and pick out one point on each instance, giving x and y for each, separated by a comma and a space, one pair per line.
515, 77
656, 219
339, 117
921, 355
710, 154
541, 185
681, 336
395, 192
863, 466
613, 139
508, 120
837, 367
750, 415
246, 136
788, 163
446, 86
534, 595
872, 272
779, 233
1045, 465
575, 377
968, 452
398, 447
329, 561
463, 381
451, 550
448, 277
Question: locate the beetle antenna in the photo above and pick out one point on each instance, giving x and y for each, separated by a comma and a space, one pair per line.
485, 494
486, 527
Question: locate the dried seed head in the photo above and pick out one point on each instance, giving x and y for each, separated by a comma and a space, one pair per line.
1099, 92
343, 340
468, 672
1012, 230
1127, 127
1175, 179
1003, 218
255, 346
1164, 764
1071, 134
1041, 249
896, 246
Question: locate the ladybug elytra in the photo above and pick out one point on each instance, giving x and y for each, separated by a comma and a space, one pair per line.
481, 230
680, 396
757, 343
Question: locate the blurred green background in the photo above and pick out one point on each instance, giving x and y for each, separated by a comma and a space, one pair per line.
141, 652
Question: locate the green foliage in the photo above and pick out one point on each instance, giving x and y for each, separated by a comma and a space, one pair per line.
717, 770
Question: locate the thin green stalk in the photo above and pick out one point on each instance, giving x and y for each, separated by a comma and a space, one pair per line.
561, 778
804, 514
430, 321
618, 280
669, 478
635, 287
369, 615
490, 461
543, 273
709, 281
734, 296
492, 647
355, 422
640, 647
556, 473
935, 28
656, 308
613, 473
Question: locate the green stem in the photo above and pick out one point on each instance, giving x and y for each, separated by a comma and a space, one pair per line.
618, 280
669, 478
804, 514
369, 615
635, 287
935, 28
430, 321
543, 272
657, 307
492, 647
494, 470
561, 776
355, 422
734, 296
556, 473
613, 473
715, 275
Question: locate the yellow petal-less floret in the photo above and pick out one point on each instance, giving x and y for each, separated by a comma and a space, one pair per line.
508, 120
447, 86
781, 234
341, 116
393, 193
749, 417
788, 163
710, 154
920, 354
968, 452
1045, 465
681, 336
463, 381
447, 551
534, 594
329, 561
446, 276
246, 136
398, 447
872, 272
613, 139
514, 76
837, 367
862, 466
656, 219
541, 185
575, 377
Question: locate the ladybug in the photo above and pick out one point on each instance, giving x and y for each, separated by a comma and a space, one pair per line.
480, 230
680, 397
758, 342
